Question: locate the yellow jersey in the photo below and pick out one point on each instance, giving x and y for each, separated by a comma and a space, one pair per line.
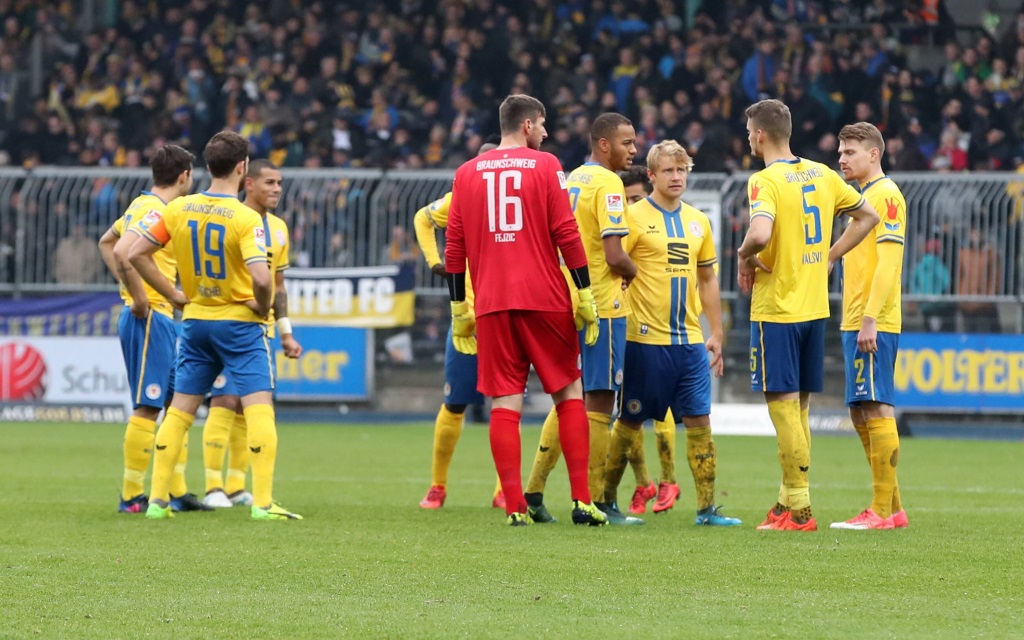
216, 238
667, 247
598, 201
428, 219
860, 263
802, 198
278, 247
164, 258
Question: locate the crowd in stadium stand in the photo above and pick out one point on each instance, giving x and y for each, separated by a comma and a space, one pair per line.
415, 83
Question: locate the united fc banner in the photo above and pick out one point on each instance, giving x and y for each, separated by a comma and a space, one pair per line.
359, 297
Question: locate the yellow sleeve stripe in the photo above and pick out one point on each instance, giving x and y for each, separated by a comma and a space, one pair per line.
283, 267
426, 212
256, 259
147, 235
615, 232
860, 203
708, 263
764, 214
889, 238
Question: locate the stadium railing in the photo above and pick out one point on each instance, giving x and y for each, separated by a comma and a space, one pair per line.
346, 218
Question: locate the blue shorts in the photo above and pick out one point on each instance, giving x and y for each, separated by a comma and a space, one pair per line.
459, 376
240, 350
602, 363
787, 357
223, 386
870, 376
148, 346
659, 378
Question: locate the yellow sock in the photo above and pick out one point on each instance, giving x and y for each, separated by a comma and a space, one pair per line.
638, 459
497, 487
178, 485
138, 449
170, 438
619, 443
238, 455
805, 424
885, 453
701, 454
600, 437
665, 433
447, 429
865, 438
794, 453
548, 452
215, 442
263, 445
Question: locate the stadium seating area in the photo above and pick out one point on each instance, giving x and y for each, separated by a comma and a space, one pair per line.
414, 83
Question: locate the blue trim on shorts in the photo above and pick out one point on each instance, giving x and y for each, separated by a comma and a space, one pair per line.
787, 357
870, 376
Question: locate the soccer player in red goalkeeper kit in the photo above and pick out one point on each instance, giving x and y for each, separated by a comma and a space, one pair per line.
508, 219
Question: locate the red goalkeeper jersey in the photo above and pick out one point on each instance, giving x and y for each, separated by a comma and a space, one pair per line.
509, 217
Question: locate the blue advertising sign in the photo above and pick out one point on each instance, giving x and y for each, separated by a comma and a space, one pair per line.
336, 365
963, 372
81, 314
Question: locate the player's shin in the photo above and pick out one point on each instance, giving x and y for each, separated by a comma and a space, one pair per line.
548, 452
169, 441
262, 442
447, 430
215, 441
600, 437
574, 434
885, 451
506, 448
702, 456
620, 442
665, 435
239, 456
794, 456
138, 449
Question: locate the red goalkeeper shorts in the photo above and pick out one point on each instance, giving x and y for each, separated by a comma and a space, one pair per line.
508, 342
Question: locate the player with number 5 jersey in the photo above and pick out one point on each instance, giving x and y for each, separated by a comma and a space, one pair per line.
508, 219
785, 259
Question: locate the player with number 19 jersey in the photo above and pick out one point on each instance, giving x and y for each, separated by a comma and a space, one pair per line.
508, 219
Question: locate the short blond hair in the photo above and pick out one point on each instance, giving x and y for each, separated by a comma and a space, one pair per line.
668, 150
865, 133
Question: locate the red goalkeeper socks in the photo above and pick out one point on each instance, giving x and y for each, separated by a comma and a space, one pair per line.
507, 451
574, 434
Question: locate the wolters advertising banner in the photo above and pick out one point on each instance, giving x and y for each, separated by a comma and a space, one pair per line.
358, 297
962, 372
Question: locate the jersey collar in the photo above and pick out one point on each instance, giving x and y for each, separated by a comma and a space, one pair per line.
654, 204
796, 160
150, 193
218, 195
873, 182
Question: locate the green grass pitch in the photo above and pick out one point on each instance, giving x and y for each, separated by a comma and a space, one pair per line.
368, 563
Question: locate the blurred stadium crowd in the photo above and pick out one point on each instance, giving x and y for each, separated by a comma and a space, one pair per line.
415, 83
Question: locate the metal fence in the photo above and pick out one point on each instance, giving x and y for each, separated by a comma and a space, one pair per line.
50, 219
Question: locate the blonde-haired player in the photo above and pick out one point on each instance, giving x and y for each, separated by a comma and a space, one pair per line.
872, 322
785, 261
666, 364
638, 187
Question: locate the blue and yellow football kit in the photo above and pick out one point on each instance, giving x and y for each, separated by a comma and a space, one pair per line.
789, 305
148, 344
598, 202
278, 248
871, 376
460, 369
216, 238
666, 364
